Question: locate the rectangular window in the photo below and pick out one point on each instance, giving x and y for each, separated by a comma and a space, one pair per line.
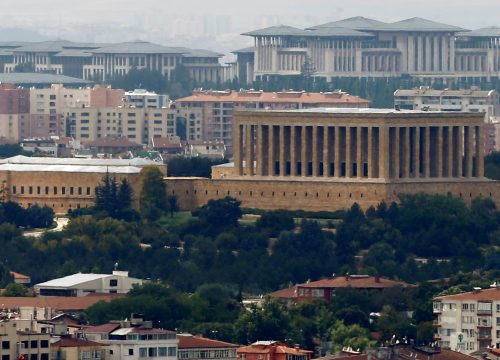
5, 357
71, 190
14, 189
143, 352
63, 190
131, 351
162, 351
5, 344
79, 190
38, 190
46, 190
152, 352
34, 344
113, 282
55, 190
30, 190
22, 189
44, 344
172, 351
88, 190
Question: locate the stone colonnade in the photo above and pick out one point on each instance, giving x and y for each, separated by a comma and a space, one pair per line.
357, 151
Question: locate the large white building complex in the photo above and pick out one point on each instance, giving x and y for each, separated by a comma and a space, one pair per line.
103, 62
470, 321
362, 47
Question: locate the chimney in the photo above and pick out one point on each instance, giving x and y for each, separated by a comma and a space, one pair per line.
296, 347
377, 278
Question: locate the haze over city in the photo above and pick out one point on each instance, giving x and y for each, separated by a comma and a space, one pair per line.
215, 24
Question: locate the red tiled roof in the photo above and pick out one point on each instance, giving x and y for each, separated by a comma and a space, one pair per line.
191, 342
61, 303
104, 328
165, 143
264, 349
72, 342
363, 282
485, 294
274, 97
112, 143
19, 276
444, 354
288, 293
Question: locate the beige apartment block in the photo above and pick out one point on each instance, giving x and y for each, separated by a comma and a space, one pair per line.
139, 125
19, 341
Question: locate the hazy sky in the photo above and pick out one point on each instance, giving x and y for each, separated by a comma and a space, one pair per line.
467, 13
217, 24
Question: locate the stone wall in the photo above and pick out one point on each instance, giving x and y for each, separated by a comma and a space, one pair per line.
314, 195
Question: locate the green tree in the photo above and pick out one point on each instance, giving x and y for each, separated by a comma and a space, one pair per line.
15, 290
5, 276
153, 202
274, 222
353, 336
220, 214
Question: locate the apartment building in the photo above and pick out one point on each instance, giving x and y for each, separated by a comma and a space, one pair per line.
69, 348
141, 98
470, 321
135, 339
22, 343
139, 125
363, 47
102, 62
217, 107
198, 348
14, 111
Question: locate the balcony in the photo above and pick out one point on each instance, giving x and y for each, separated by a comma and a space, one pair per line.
436, 323
437, 336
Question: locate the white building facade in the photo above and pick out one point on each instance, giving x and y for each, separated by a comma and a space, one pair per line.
468, 322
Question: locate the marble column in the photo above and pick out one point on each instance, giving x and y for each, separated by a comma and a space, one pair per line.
407, 159
359, 152
260, 152
337, 159
460, 151
439, 164
249, 150
326, 151
369, 149
479, 151
293, 153
469, 150
303, 155
427, 150
270, 157
450, 152
282, 148
397, 154
238, 149
416, 153
383, 154
348, 152
315, 162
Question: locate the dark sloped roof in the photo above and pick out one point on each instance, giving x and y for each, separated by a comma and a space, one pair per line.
53, 46
193, 342
491, 31
418, 24
74, 53
336, 32
283, 30
39, 78
74, 342
247, 50
136, 47
186, 52
355, 23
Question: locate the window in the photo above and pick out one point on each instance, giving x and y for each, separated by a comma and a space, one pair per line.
5, 357
79, 190
34, 357
5, 345
30, 190
131, 351
38, 190
34, 344
152, 352
162, 351
172, 351
113, 282
88, 190
63, 190
71, 190
46, 190
143, 352
44, 344
22, 189
55, 190
14, 189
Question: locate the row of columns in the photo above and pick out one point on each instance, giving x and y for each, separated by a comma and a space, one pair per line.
431, 52
359, 151
380, 62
